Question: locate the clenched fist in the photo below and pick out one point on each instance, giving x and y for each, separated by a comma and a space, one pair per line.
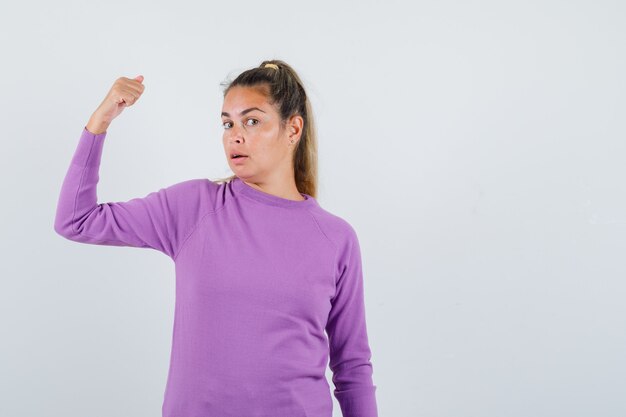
124, 92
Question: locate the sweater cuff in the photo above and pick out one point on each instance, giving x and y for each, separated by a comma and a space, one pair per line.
89, 149
358, 402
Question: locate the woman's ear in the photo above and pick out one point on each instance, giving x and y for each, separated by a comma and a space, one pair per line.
296, 124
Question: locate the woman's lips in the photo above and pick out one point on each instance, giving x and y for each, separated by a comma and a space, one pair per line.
239, 159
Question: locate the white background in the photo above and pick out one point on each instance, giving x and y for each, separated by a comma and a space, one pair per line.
477, 147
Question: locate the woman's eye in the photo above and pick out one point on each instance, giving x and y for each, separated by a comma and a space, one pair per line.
224, 124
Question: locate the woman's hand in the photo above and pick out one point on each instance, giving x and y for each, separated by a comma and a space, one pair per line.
124, 92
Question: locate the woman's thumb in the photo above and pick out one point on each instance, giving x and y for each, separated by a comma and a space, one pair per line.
139, 78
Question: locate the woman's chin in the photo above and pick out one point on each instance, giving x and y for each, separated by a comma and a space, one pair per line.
239, 170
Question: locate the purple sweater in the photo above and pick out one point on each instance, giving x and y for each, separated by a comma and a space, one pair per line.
259, 280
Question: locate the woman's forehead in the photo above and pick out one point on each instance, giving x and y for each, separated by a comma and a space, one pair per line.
242, 100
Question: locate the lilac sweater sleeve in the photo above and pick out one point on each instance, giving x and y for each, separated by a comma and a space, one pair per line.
160, 220
350, 353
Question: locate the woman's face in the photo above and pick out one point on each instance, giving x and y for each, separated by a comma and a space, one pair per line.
252, 128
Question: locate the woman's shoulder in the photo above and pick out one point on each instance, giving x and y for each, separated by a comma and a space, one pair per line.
336, 227
198, 191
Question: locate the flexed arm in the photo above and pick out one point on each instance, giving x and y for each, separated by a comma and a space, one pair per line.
161, 220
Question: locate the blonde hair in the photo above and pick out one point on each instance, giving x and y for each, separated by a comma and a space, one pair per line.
285, 89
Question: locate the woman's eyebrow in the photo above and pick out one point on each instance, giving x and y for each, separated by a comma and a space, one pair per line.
243, 112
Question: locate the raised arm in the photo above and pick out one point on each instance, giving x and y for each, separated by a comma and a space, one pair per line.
161, 220
347, 333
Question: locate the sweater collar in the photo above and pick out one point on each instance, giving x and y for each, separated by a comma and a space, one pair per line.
240, 187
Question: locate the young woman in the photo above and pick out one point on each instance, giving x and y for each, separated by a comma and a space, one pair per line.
262, 270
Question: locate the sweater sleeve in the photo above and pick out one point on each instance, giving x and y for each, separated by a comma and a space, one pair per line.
160, 220
348, 340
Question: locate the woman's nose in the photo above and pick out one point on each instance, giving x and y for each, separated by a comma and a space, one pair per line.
235, 133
